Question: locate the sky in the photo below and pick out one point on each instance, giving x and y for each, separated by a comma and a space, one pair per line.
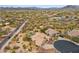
41, 6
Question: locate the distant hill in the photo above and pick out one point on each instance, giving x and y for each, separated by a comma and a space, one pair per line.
71, 7
26, 8
37, 8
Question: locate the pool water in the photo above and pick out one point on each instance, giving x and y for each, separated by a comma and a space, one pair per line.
66, 46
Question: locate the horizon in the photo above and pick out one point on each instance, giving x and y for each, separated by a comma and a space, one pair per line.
39, 6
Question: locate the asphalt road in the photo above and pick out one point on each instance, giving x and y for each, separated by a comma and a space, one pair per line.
7, 39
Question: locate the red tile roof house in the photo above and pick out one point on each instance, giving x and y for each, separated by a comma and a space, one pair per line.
41, 40
74, 33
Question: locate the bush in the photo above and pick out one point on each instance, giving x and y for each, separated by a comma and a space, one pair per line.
16, 47
75, 39
13, 51
43, 30
26, 38
24, 46
7, 48
2, 33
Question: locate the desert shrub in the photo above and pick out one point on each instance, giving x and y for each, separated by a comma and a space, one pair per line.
13, 51
24, 46
75, 39
16, 47
7, 48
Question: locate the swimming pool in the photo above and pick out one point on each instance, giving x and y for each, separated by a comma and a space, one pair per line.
66, 46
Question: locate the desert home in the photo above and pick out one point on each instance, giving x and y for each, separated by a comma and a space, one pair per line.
74, 33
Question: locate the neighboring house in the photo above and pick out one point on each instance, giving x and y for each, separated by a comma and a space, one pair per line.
51, 32
54, 18
40, 38
74, 33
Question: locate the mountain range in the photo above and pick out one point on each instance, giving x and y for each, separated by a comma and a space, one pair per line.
37, 8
